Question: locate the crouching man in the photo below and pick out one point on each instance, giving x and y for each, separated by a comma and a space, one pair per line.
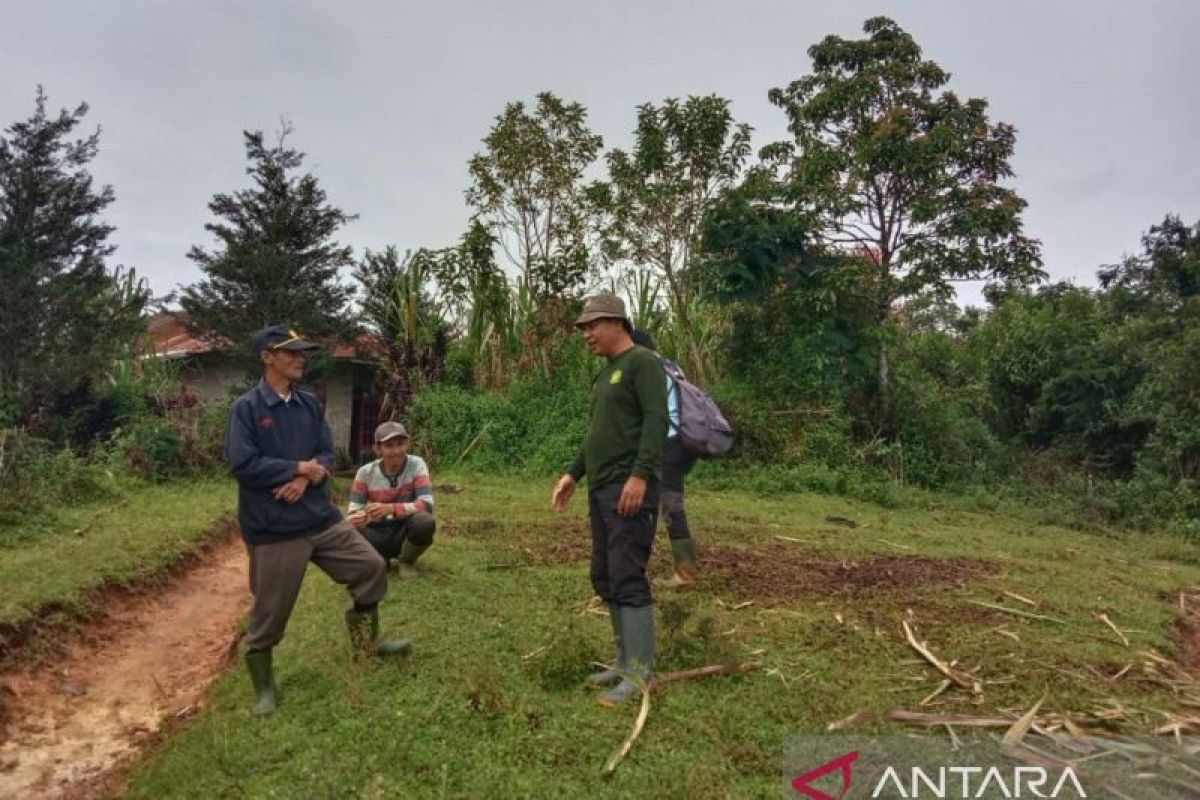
391, 502
280, 449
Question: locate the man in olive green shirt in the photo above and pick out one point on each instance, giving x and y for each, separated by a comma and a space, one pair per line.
621, 456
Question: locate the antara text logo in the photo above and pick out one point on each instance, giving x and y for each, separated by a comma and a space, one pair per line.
946, 782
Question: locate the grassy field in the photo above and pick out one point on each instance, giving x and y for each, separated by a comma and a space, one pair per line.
504, 625
125, 537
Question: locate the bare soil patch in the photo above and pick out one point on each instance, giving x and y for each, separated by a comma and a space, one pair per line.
777, 572
1186, 631
568, 541
71, 722
766, 572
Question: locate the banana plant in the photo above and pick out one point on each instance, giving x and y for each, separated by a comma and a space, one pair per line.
644, 299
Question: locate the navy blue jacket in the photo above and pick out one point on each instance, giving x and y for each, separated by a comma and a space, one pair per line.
264, 440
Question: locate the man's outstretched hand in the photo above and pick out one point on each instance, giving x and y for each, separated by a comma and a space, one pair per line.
562, 492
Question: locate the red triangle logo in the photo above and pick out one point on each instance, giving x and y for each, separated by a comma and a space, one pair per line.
842, 763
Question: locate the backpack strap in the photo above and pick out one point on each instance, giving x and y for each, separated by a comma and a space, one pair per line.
676, 375
672, 369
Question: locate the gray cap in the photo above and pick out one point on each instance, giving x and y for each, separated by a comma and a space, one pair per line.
390, 430
602, 306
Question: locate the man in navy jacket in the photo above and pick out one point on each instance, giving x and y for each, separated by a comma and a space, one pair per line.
279, 448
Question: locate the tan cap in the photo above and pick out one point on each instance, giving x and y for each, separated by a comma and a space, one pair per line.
390, 430
602, 306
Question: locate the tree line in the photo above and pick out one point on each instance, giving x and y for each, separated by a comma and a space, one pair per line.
808, 282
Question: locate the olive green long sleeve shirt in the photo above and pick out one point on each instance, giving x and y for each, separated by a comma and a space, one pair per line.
627, 421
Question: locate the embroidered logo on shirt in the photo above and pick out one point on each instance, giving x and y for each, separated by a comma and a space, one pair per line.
266, 422
616, 377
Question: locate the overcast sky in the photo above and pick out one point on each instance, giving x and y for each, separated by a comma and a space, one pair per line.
390, 99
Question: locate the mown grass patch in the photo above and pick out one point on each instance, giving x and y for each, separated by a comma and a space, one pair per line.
135, 532
504, 623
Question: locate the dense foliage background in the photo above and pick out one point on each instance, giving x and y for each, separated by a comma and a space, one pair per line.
808, 286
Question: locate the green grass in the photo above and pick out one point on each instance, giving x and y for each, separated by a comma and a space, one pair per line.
135, 532
491, 705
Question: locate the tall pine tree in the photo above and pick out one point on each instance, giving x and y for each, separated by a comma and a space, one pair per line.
64, 314
276, 259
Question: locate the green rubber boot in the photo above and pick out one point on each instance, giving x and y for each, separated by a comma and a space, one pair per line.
409, 553
611, 676
258, 663
364, 635
683, 553
637, 637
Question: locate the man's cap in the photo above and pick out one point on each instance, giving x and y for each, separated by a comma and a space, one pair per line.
390, 430
643, 339
605, 305
281, 337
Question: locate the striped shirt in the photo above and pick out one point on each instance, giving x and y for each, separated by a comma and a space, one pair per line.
409, 491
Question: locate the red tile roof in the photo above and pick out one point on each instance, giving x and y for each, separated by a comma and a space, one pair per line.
169, 337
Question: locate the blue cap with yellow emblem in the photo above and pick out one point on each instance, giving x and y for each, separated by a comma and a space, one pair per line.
281, 337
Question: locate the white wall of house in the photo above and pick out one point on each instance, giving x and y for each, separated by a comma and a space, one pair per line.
213, 378
339, 407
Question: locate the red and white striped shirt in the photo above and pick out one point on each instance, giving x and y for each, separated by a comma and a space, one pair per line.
409, 491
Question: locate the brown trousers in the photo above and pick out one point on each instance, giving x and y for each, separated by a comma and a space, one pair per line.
277, 570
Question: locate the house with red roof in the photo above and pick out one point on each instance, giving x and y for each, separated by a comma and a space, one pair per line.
211, 372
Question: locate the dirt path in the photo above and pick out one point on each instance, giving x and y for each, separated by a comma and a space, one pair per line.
75, 720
